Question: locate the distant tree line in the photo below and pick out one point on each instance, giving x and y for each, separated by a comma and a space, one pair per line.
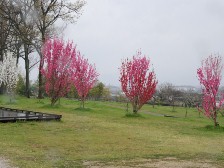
168, 95
99, 92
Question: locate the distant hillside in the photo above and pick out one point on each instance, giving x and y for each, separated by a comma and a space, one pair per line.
114, 89
187, 88
117, 89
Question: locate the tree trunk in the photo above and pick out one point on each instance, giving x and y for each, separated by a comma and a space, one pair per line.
127, 108
135, 110
53, 101
40, 92
83, 106
1, 54
135, 105
27, 71
216, 124
2, 42
83, 101
173, 107
1, 59
215, 120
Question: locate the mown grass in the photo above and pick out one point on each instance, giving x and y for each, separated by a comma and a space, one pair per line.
103, 132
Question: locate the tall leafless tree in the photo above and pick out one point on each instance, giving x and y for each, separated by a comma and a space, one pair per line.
18, 13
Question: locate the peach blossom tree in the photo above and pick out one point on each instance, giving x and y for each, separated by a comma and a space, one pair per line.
59, 58
85, 77
137, 81
209, 76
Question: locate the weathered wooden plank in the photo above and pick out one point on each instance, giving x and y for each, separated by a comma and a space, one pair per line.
25, 115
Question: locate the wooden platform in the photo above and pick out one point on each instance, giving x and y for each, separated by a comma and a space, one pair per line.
13, 115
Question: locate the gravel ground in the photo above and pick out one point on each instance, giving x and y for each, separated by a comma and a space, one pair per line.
4, 163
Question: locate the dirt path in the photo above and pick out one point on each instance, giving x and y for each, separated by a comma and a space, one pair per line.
144, 163
153, 163
158, 114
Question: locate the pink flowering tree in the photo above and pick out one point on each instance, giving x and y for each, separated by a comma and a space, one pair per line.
137, 81
59, 59
85, 77
209, 76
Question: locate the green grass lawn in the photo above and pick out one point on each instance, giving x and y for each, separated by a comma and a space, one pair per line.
103, 133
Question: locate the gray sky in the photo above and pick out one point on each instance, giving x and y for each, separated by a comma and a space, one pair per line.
175, 34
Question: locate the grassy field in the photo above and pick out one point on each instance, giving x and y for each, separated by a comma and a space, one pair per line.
103, 134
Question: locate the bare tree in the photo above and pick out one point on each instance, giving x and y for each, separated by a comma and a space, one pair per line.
18, 13
46, 13
168, 94
165, 92
5, 37
189, 98
5, 28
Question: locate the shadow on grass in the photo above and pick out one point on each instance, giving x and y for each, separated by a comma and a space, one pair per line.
11, 103
40, 102
173, 111
211, 128
56, 106
83, 109
133, 115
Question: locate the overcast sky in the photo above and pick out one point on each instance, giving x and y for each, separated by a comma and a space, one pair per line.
175, 34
